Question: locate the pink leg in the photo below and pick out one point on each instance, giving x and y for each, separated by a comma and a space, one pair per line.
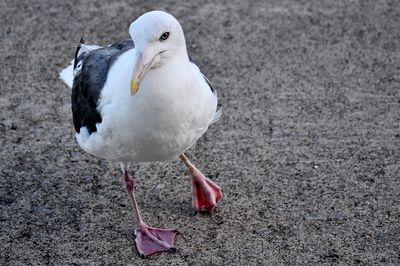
149, 240
206, 193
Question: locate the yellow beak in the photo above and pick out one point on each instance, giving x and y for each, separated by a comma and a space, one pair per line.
134, 86
139, 71
137, 75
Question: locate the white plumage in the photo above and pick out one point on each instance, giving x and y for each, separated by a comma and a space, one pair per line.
172, 109
147, 103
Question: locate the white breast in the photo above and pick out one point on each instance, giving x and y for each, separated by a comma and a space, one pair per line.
172, 109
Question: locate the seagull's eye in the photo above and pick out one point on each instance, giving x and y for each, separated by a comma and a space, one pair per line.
164, 36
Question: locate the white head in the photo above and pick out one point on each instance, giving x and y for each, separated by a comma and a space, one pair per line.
158, 37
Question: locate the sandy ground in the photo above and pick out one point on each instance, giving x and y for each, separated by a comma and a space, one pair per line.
307, 151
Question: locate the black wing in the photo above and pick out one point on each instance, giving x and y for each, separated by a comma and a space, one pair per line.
91, 69
209, 83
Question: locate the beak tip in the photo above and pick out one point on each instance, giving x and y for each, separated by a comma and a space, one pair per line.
134, 86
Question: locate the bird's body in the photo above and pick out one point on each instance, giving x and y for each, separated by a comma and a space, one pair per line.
160, 122
117, 121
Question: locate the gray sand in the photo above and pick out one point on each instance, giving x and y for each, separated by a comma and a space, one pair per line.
307, 150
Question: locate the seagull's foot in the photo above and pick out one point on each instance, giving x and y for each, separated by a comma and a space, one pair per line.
206, 193
150, 240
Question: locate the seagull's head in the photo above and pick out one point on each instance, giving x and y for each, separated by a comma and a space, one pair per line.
158, 37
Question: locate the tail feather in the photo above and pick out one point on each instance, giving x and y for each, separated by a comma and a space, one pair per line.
216, 116
81, 41
67, 74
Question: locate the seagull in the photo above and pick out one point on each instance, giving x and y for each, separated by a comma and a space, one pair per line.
143, 100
